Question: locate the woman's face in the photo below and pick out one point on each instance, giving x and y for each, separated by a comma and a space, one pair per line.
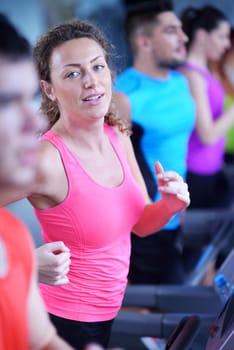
218, 41
81, 81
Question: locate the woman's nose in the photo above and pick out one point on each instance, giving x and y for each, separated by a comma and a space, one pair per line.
89, 80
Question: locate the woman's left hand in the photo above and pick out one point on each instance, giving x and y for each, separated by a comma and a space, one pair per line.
173, 189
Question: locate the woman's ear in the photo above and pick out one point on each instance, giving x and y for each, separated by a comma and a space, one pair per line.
47, 89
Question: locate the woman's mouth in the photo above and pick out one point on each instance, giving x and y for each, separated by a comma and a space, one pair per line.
93, 98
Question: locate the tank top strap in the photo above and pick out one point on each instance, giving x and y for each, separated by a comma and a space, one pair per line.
115, 143
51, 137
205, 73
65, 152
56, 140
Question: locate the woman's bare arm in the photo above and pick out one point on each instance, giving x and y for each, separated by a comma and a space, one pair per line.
209, 130
174, 192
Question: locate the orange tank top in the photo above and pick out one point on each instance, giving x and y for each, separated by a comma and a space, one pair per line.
16, 261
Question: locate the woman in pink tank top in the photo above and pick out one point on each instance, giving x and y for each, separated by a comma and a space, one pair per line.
90, 193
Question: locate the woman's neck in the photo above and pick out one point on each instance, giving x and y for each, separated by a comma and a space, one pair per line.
87, 136
197, 56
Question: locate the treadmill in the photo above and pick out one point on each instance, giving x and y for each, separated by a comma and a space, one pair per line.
173, 304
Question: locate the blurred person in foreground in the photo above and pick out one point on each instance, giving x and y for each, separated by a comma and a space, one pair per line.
24, 322
89, 190
155, 98
53, 259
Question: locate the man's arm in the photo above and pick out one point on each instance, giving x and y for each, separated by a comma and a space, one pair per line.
42, 334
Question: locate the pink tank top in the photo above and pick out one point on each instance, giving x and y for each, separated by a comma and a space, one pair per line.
95, 223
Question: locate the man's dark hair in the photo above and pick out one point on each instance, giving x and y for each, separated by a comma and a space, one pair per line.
12, 44
143, 13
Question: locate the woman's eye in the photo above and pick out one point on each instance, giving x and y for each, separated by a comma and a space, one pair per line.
72, 75
99, 67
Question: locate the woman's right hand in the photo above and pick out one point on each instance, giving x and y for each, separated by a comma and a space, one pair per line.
53, 261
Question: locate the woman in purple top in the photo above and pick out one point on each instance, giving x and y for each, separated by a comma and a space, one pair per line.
208, 31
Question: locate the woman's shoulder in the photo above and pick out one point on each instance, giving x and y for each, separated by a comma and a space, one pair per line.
48, 158
194, 76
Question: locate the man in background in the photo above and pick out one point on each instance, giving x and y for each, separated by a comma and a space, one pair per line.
155, 98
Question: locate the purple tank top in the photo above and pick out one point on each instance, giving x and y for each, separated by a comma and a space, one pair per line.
207, 159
